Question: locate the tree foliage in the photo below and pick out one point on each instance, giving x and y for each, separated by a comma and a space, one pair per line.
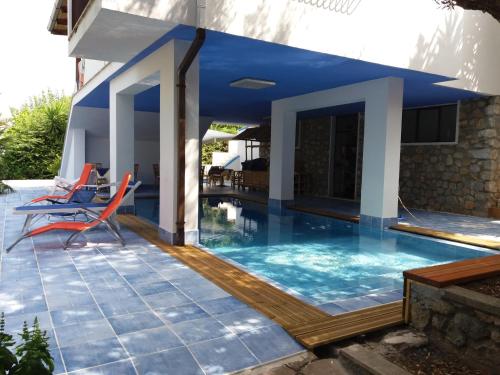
207, 149
34, 353
7, 358
489, 6
31, 146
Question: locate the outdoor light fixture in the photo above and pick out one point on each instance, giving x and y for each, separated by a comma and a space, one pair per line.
252, 83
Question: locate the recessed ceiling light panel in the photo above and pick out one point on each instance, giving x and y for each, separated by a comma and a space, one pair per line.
252, 83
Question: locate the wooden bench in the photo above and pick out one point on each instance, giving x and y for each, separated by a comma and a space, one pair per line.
457, 272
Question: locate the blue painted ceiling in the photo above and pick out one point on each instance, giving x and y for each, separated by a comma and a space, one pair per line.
226, 58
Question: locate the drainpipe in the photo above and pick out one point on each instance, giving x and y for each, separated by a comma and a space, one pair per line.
181, 137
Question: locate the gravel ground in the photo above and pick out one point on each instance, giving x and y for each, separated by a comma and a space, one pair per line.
490, 286
430, 361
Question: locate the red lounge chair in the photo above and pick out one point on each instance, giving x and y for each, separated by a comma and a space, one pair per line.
84, 178
81, 227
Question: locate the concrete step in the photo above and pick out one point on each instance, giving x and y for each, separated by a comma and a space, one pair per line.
360, 360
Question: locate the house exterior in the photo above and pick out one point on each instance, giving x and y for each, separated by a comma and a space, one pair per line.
373, 100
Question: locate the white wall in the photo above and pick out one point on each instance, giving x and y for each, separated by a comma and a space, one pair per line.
91, 68
147, 153
412, 34
235, 148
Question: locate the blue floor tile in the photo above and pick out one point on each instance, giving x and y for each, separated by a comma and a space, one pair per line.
79, 333
115, 368
182, 313
91, 354
122, 307
115, 294
387, 297
171, 362
155, 287
244, 320
199, 330
270, 343
134, 322
165, 300
223, 355
222, 305
150, 341
207, 292
69, 300
356, 303
332, 308
76, 315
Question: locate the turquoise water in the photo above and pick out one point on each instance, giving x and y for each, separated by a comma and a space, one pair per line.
320, 259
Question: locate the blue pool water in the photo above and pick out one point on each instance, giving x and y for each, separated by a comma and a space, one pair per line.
319, 259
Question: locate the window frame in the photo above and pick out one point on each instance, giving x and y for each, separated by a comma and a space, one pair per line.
457, 127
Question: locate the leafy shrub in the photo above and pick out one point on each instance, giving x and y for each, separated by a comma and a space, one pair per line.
34, 352
34, 355
31, 146
4, 188
7, 359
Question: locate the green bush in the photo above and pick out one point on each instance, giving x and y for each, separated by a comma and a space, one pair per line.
32, 144
33, 353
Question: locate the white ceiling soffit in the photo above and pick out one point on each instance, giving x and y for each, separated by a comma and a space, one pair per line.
109, 35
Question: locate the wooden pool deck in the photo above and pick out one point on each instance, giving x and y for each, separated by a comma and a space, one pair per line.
309, 325
455, 237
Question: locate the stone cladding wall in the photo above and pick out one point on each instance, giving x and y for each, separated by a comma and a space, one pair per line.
461, 178
312, 158
459, 320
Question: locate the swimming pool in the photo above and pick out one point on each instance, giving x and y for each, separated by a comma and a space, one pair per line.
330, 263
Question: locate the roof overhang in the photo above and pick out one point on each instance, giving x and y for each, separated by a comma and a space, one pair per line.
58, 23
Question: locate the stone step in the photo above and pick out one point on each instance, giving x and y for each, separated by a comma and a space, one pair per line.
360, 360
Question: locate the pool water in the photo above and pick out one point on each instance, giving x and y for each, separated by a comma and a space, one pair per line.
321, 260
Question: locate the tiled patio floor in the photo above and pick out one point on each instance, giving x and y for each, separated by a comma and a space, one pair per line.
127, 310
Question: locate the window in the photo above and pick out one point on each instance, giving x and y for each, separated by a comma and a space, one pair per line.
430, 125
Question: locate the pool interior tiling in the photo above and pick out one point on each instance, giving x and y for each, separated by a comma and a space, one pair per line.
127, 310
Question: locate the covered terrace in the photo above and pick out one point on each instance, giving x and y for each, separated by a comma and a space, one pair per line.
137, 100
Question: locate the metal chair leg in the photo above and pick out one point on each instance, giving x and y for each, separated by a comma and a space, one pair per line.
70, 239
115, 233
7, 250
27, 222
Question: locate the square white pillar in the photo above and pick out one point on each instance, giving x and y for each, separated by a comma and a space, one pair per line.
381, 152
168, 145
121, 138
76, 158
282, 163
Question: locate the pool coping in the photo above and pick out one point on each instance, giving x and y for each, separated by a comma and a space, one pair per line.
448, 236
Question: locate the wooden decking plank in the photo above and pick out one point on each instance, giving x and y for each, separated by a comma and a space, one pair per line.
349, 318
456, 237
308, 324
336, 334
322, 212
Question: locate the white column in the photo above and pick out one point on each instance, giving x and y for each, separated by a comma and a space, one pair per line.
192, 153
168, 148
121, 136
381, 151
281, 174
76, 157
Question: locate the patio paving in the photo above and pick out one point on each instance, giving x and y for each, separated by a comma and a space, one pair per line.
127, 310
